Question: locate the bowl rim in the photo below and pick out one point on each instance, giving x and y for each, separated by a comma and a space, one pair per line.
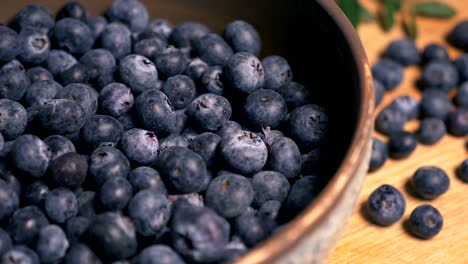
317, 211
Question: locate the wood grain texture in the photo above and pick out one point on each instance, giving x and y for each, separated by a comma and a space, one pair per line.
363, 242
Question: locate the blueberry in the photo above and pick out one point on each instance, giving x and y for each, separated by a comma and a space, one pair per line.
430, 182
39, 74
106, 163
68, 170
194, 199
20, 254
425, 221
228, 128
379, 91
269, 185
131, 12
265, 108
196, 69
35, 16
457, 122
379, 154
461, 63
30, 155
52, 244
182, 170
111, 236
285, 157
278, 73
25, 224
140, 146
308, 125
117, 39
13, 84
2, 142
242, 37
13, 119
302, 193
58, 146
295, 95
73, 35
463, 171
244, 73
244, 151
82, 94
72, 10
198, 233
138, 72
159, 254
5, 242
171, 61
59, 61
407, 104
390, 120
60, 205
97, 25
40, 90
149, 47
10, 200
143, 178
431, 130
116, 99
174, 140
434, 52
159, 27
9, 44
270, 136
209, 111
78, 73
461, 98
180, 90
211, 80
36, 193
206, 145
434, 103
115, 194
75, 227
101, 65
386, 205
252, 228
127, 120
270, 209
458, 36
440, 75
311, 162
388, 72
403, 51
101, 128
184, 35
401, 144
155, 111
80, 253
11, 180
86, 204
35, 46
212, 49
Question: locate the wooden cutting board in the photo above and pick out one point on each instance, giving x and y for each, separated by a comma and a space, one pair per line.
363, 242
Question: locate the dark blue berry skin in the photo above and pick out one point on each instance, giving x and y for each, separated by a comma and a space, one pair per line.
174, 140
407, 104
73, 35
59, 61
2, 142
115, 194
127, 120
265, 108
311, 162
401, 144
180, 90
195, 70
52, 244
198, 233
115, 99
138, 72
13, 84
269, 185
158, 254
155, 111
143, 178
430, 182
61, 205
388, 72
390, 120
35, 194
106, 163
212, 49
229, 195
386, 205
278, 73
111, 236
13, 119
212, 80
461, 98
209, 111
458, 36
242, 37
457, 122
461, 63
185, 34
403, 51
182, 170
431, 130
425, 221
159, 27
130, 12
463, 171
434, 103
35, 16
270, 209
78, 73
228, 128
206, 145
30, 155
302, 193
101, 128
434, 52
379, 155
252, 228
39, 74
20, 254
379, 91
140, 146
440, 75
75, 227
86, 204
11, 180
101, 65
72, 10
5, 242
295, 95
58, 146
308, 125
10, 201
149, 47
117, 39
285, 157
12, 65
150, 211
80, 253
244, 73
244, 151
97, 25
40, 90
9, 44
25, 224
171, 61
35, 46
69, 170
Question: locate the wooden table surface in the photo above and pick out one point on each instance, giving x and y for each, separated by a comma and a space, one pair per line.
363, 242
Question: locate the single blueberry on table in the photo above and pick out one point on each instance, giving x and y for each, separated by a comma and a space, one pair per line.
457, 122
161, 254
180, 90
60, 205
143, 178
59, 145
115, 194
212, 49
296, 95
84, 95
269, 185
440, 75
35, 46
35, 194
184, 35
117, 39
242, 37
35, 16
68, 170
206, 145
106, 163
458, 36
171, 61
156, 112
301, 194
59, 61
390, 120
116, 99
52, 244
435, 103
30, 155
130, 12
20, 254
308, 125
75, 227
13, 119
78, 73
463, 171
195, 69
40, 90
101, 65
425, 221
72, 10
5, 242
431, 130
386, 205
13, 84
140, 146
138, 72
209, 111
403, 51
379, 154
461, 63
265, 108
244, 73
73, 35
434, 52
97, 25
25, 224
39, 73
278, 73
407, 104
401, 144
252, 228
388, 72
285, 157
10, 201
430, 182
9, 44
150, 47
461, 98
212, 80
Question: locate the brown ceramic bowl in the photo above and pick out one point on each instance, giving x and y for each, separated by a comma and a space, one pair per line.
326, 55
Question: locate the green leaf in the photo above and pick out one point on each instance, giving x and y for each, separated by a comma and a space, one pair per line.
410, 26
351, 10
365, 14
434, 9
388, 15
397, 4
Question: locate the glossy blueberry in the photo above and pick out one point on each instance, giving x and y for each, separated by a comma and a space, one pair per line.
206, 145
36, 193
269, 185
73, 35
265, 108
68, 170
58, 146
101, 65
386, 205
25, 224
388, 72
138, 72
10, 200
244, 73
116, 99
458, 36
30, 155
401, 144
72, 10
106, 163
180, 90
403, 51
35, 16
117, 39
86, 204
184, 35
35, 46
13, 119
431, 130
143, 178
5, 242
195, 69
425, 221
40, 90
78, 73
434, 52
80, 253
461, 98
434, 103
212, 49
39, 74
252, 228
171, 61
457, 122
430, 182
150, 47
302, 193
212, 80
155, 111
130, 12
244, 151
75, 227
440, 75
140, 146
461, 63
101, 128
159, 27
198, 233
379, 154
60, 205
308, 125
9, 44
463, 171
242, 37
115, 194
13, 84
407, 104
20, 254
158, 254
59, 61
390, 120
278, 73
285, 157
97, 25
209, 111
52, 244
111, 236
295, 95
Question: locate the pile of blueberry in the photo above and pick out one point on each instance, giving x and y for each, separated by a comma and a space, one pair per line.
443, 108
135, 141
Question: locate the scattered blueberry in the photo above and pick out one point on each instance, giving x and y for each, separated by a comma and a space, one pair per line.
430, 182
401, 144
407, 104
463, 171
388, 72
434, 52
386, 205
379, 154
461, 98
441, 75
431, 130
461, 63
390, 120
457, 122
425, 221
403, 51
458, 35
435, 103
